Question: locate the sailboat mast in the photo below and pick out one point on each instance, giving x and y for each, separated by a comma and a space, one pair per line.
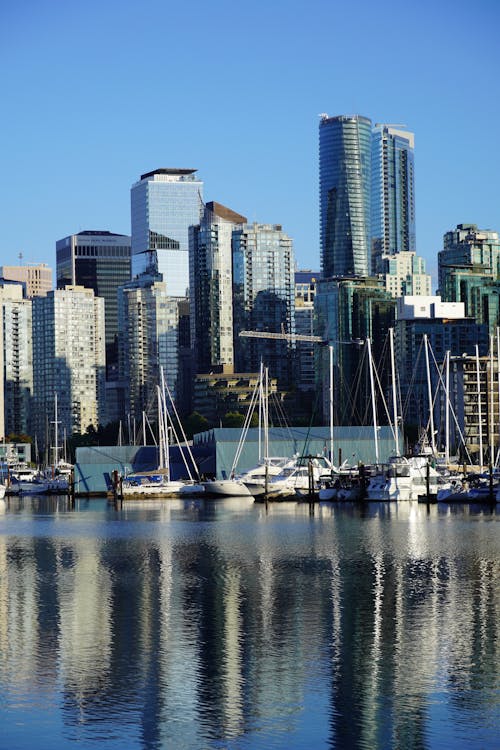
394, 399
447, 410
429, 392
374, 406
330, 348
479, 413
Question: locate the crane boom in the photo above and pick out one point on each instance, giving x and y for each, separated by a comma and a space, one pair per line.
282, 336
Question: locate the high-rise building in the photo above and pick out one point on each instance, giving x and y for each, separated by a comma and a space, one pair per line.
149, 340
345, 157
305, 292
100, 261
36, 277
392, 193
263, 298
350, 310
404, 273
68, 360
447, 329
16, 361
164, 204
211, 286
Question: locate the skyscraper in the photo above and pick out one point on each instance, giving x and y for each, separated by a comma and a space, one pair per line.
68, 359
164, 204
392, 193
16, 360
263, 298
211, 286
345, 186
100, 261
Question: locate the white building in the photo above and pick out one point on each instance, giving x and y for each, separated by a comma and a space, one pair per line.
16, 360
404, 273
37, 277
69, 360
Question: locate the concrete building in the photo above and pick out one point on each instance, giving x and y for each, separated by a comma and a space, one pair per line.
305, 292
36, 277
211, 286
98, 260
16, 361
404, 273
149, 340
69, 360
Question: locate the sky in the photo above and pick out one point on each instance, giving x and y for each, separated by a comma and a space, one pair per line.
95, 93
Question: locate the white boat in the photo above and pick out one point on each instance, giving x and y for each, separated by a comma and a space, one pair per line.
25, 480
405, 479
159, 484
297, 478
3, 489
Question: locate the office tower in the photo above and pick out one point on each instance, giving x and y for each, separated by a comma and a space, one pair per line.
345, 187
68, 360
16, 360
149, 340
263, 298
447, 329
350, 310
100, 261
164, 204
36, 277
392, 193
211, 286
404, 273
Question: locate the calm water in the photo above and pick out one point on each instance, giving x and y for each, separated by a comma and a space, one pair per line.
218, 625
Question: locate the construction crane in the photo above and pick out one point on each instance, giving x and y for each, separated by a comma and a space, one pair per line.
283, 336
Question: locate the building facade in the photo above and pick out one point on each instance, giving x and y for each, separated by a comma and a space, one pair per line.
392, 193
350, 310
164, 204
404, 273
211, 286
263, 299
149, 341
467, 248
16, 361
69, 359
101, 261
345, 156
36, 277
305, 292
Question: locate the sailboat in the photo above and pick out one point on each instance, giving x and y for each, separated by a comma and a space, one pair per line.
158, 484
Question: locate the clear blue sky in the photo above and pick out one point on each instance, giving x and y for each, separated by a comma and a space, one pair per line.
96, 92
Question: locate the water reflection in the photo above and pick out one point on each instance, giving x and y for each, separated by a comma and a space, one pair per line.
223, 624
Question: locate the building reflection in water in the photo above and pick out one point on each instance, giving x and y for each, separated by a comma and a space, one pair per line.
180, 626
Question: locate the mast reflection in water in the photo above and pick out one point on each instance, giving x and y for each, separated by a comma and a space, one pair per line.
220, 625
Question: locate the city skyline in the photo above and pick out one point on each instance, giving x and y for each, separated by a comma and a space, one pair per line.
95, 100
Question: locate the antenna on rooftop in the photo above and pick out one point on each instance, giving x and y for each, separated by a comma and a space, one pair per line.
21, 258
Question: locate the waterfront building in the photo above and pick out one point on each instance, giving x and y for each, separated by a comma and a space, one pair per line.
467, 248
403, 273
350, 310
69, 359
392, 193
263, 299
345, 194
148, 341
36, 277
211, 286
16, 360
447, 329
98, 260
164, 204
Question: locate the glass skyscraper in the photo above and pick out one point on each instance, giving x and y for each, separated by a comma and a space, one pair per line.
393, 193
345, 183
164, 204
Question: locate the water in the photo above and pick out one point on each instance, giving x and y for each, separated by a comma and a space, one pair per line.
202, 624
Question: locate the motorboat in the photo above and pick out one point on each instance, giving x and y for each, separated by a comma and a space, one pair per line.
406, 478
